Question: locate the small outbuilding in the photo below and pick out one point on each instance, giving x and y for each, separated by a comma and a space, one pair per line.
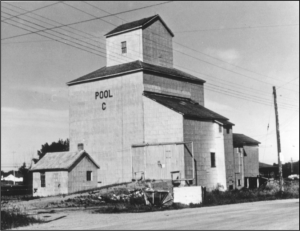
246, 157
64, 172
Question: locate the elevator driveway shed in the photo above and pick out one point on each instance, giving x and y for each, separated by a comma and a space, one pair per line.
64, 172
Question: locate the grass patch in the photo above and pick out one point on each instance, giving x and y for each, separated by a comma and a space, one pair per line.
264, 193
130, 208
13, 217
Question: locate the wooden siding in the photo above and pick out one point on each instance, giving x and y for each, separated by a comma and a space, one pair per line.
77, 176
157, 45
56, 183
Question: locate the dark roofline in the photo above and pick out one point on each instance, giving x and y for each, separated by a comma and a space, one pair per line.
228, 123
238, 141
192, 117
76, 161
180, 78
74, 82
109, 34
142, 66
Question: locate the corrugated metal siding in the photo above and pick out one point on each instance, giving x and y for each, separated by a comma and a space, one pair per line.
77, 176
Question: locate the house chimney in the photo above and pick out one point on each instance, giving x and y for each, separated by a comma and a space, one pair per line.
80, 147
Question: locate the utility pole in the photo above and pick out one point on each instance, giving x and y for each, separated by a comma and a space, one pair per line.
292, 165
278, 141
13, 167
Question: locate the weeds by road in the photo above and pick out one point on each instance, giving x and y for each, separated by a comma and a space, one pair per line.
13, 216
268, 192
215, 197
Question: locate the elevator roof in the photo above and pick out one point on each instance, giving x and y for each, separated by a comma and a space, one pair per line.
185, 106
126, 68
240, 140
138, 24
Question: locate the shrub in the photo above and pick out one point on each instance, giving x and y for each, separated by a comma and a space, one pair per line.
13, 217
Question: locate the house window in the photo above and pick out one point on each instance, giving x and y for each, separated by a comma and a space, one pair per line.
213, 159
228, 130
43, 179
239, 182
89, 176
220, 128
124, 47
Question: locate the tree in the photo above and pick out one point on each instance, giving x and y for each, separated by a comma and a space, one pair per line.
60, 146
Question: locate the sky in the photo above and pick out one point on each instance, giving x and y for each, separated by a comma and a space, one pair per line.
241, 49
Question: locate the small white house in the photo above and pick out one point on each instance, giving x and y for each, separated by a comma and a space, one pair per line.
64, 172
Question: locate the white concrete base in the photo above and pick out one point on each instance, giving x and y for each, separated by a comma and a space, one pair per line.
187, 195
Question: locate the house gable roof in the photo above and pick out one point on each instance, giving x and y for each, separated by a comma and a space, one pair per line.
263, 165
60, 161
138, 24
241, 140
185, 106
131, 67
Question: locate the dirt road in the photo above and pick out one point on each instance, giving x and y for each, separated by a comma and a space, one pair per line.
280, 214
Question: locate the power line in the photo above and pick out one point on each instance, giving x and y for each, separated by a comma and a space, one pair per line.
256, 100
88, 20
51, 34
251, 96
200, 52
100, 9
54, 32
284, 124
212, 89
83, 32
37, 41
65, 38
125, 20
214, 78
86, 13
226, 69
232, 94
288, 82
83, 36
237, 28
50, 31
194, 49
30, 11
225, 61
53, 39
177, 43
